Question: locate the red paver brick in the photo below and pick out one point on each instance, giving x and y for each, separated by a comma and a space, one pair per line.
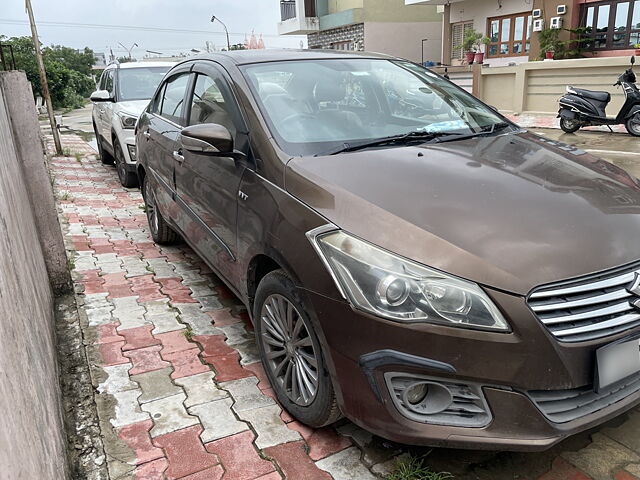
92, 282
222, 318
295, 463
107, 333
98, 249
137, 437
152, 470
563, 470
322, 442
138, 337
146, 288
146, 360
173, 342
147, 249
624, 475
258, 370
185, 452
214, 345
227, 367
271, 476
213, 473
186, 363
117, 285
176, 291
81, 246
239, 457
111, 354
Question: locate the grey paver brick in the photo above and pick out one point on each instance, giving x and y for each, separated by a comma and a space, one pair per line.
218, 419
601, 457
161, 267
129, 313
169, 414
236, 334
127, 408
156, 385
164, 322
346, 465
209, 303
246, 394
269, 426
99, 316
248, 352
200, 389
117, 379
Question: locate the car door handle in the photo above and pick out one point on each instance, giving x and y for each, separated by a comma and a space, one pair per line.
178, 157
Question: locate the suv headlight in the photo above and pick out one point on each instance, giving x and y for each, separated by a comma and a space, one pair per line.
389, 286
128, 120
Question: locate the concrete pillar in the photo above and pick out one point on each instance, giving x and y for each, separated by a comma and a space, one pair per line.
26, 133
446, 35
519, 89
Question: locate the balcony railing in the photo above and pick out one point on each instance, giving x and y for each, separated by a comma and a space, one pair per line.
287, 9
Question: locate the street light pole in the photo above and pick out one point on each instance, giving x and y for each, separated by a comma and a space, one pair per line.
43, 80
213, 19
128, 49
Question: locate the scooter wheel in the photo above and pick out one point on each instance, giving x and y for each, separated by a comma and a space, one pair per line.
633, 125
569, 126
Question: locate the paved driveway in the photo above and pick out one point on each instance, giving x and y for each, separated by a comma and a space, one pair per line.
179, 388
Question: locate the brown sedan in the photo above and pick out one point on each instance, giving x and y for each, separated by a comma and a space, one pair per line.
411, 259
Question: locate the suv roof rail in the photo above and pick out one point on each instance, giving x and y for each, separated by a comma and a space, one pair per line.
113, 62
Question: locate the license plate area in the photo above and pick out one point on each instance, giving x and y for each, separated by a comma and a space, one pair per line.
616, 362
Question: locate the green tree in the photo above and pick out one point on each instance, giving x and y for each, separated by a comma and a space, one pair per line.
68, 70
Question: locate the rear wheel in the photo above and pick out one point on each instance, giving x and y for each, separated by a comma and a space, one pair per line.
161, 232
633, 125
569, 125
127, 178
291, 352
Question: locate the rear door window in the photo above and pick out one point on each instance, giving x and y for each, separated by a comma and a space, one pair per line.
172, 99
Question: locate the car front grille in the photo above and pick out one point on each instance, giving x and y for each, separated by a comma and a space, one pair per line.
561, 406
592, 307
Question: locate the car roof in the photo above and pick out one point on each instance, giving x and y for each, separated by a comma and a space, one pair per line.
243, 57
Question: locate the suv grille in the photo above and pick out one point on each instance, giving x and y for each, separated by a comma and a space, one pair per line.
592, 307
561, 406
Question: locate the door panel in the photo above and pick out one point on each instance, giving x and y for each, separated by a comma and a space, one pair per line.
207, 186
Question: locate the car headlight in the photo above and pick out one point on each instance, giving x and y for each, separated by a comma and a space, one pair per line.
389, 286
128, 120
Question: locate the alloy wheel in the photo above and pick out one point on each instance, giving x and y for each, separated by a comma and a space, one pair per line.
290, 353
120, 165
634, 125
152, 210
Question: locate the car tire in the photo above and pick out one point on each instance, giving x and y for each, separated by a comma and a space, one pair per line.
569, 126
161, 232
105, 157
127, 178
279, 311
633, 125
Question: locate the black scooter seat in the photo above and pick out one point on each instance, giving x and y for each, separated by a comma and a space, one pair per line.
599, 96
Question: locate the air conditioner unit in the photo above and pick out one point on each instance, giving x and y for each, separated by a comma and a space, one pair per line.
562, 9
538, 24
556, 23
537, 13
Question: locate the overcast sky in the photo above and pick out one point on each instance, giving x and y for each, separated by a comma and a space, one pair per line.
192, 16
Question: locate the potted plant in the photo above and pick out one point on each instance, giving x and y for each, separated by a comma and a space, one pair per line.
469, 44
550, 43
479, 54
637, 47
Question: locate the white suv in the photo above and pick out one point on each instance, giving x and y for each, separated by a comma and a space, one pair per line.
123, 92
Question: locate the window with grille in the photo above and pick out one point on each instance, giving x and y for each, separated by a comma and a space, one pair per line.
457, 36
614, 24
342, 46
510, 35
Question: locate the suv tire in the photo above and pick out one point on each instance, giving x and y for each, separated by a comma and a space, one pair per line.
105, 157
279, 311
127, 178
161, 232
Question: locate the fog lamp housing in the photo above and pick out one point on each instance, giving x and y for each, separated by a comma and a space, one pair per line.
132, 152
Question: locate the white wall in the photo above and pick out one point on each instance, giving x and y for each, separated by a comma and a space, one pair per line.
480, 10
404, 39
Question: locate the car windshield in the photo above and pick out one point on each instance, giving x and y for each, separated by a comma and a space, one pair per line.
139, 83
316, 105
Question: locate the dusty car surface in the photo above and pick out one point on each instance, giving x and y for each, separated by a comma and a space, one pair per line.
411, 259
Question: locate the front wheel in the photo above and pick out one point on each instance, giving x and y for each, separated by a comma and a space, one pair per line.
569, 125
633, 125
291, 352
128, 179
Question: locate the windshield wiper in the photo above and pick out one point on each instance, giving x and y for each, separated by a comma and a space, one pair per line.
486, 130
391, 140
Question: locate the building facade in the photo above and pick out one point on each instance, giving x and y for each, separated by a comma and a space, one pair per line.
385, 26
511, 26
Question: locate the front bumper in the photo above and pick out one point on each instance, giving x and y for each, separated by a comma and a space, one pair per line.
505, 366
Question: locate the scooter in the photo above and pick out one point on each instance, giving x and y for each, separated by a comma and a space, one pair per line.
583, 108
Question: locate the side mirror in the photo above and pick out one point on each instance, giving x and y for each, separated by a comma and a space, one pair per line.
207, 138
101, 96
